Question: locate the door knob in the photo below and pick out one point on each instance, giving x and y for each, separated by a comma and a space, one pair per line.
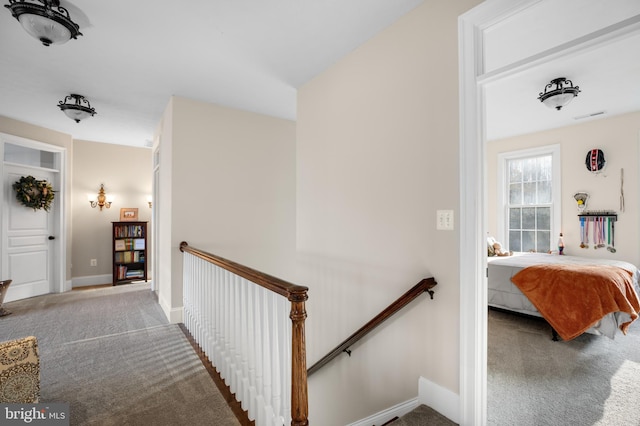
51, 237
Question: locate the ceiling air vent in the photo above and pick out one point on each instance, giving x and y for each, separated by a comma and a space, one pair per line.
593, 114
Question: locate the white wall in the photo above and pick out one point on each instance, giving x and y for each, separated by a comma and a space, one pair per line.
619, 138
377, 156
228, 187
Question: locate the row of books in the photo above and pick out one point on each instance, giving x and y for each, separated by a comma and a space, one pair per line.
124, 274
128, 256
123, 231
129, 244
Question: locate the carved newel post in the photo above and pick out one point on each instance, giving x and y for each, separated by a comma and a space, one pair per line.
299, 397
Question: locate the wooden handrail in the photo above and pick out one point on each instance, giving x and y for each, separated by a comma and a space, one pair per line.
423, 286
297, 295
269, 282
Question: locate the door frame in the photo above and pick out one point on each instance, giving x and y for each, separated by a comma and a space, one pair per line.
473, 208
58, 246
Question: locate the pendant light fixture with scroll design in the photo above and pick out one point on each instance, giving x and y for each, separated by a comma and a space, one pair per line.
78, 109
45, 20
561, 95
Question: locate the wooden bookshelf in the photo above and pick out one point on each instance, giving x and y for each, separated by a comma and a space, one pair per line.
130, 255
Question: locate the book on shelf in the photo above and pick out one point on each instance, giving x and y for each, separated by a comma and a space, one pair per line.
121, 272
134, 273
129, 257
138, 244
120, 245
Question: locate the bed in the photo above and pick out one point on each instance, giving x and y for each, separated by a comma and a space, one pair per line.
611, 307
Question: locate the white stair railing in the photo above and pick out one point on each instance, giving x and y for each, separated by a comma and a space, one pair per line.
238, 317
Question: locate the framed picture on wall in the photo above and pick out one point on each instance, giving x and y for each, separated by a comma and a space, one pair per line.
128, 214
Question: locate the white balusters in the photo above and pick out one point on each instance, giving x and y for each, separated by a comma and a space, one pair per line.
245, 331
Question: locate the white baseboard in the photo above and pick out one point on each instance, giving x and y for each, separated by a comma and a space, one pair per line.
384, 416
91, 280
440, 399
174, 315
430, 394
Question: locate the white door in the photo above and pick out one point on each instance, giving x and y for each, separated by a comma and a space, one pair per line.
28, 237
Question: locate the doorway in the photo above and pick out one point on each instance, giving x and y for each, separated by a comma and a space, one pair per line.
474, 79
32, 251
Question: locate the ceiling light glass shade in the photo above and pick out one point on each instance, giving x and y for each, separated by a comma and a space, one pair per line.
48, 22
79, 109
561, 95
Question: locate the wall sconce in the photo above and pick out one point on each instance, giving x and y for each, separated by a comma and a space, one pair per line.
102, 200
149, 200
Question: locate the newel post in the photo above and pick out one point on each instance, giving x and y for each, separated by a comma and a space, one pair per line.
299, 398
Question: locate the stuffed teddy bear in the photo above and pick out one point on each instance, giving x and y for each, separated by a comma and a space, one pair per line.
497, 249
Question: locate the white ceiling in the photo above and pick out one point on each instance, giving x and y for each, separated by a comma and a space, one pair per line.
608, 73
135, 54
253, 55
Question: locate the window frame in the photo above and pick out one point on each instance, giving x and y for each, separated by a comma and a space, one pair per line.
503, 190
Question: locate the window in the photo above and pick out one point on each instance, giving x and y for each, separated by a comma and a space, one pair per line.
530, 198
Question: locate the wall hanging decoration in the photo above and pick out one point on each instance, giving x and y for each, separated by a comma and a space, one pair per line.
581, 200
602, 224
622, 190
34, 193
595, 161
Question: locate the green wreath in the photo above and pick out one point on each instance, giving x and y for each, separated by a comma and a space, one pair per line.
34, 193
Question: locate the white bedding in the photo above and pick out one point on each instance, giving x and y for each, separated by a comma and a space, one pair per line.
503, 294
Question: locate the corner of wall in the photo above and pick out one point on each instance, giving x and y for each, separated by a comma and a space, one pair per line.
439, 398
174, 315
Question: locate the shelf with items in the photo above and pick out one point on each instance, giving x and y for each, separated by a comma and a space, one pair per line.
129, 252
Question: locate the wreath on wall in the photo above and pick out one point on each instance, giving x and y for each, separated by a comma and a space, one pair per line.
34, 193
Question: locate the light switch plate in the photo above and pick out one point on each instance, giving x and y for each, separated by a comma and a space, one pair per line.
444, 220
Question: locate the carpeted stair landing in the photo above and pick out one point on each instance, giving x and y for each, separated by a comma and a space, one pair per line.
422, 416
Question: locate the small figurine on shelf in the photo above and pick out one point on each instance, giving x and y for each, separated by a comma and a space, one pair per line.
560, 244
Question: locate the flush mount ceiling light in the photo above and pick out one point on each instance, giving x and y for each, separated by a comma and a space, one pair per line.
79, 109
562, 94
48, 21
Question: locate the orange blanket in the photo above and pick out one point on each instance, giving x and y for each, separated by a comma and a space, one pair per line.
572, 298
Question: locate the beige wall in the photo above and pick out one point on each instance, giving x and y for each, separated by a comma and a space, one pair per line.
619, 138
41, 134
126, 174
377, 155
231, 189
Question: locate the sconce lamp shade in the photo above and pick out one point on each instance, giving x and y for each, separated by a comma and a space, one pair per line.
48, 22
78, 109
563, 93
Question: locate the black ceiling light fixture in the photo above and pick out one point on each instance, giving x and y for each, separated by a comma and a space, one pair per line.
561, 95
45, 20
78, 109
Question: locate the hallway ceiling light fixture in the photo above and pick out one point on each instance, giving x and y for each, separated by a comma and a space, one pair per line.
102, 200
48, 22
79, 109
563, 93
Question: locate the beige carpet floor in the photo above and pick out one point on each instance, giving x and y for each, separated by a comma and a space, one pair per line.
534, 381
113, 357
